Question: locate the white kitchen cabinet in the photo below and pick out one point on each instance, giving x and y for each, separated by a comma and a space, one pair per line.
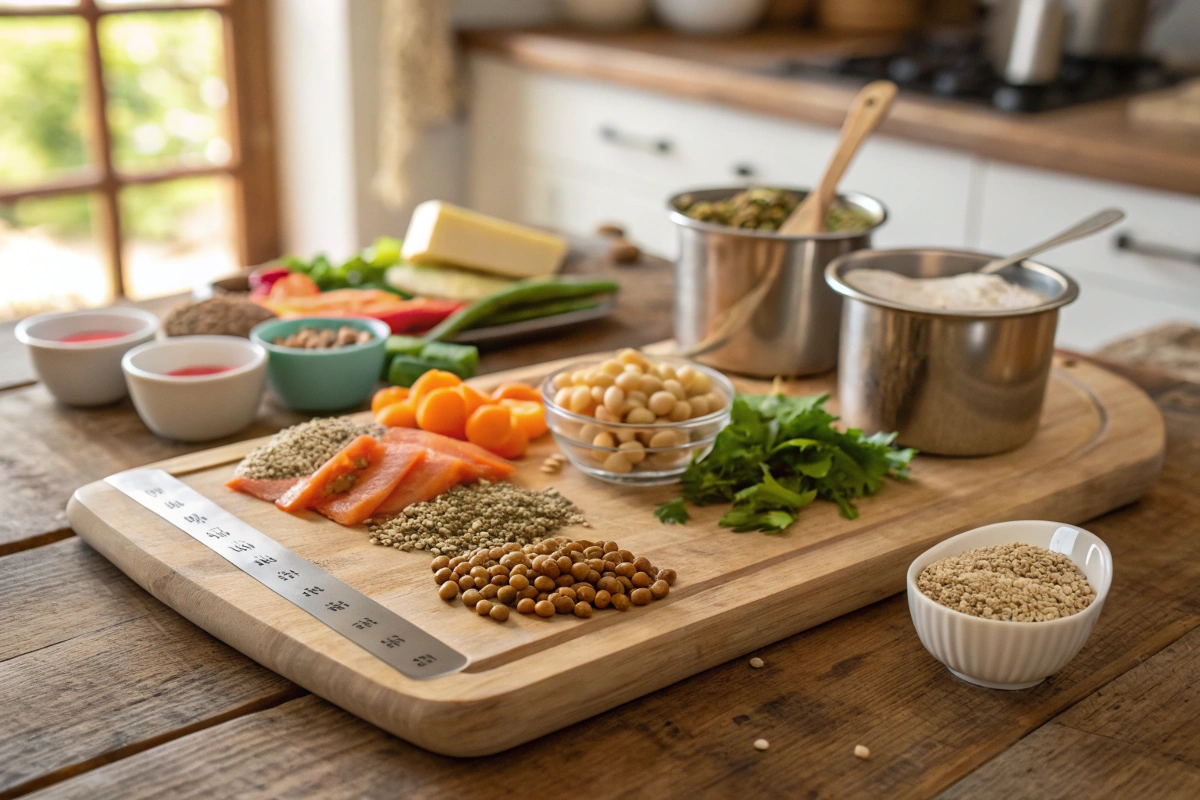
630, 150
1122, 291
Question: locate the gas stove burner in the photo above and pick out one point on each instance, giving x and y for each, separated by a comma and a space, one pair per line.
955, 66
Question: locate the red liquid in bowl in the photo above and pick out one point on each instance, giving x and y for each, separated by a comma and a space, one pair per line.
202, 369
92, 336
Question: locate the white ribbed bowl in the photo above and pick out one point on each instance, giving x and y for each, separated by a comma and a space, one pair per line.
1010, 655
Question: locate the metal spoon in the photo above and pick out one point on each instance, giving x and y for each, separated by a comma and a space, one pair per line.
1093, 224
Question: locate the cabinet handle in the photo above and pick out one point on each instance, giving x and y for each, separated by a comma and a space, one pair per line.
660, 145
1126, 241
744, 170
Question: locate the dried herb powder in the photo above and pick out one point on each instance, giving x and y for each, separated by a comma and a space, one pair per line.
478, 515
1015, 582
301, 449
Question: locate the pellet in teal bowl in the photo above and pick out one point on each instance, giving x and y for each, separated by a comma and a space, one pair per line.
322, 380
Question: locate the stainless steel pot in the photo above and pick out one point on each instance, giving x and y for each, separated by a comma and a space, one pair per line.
794, 331
951, 383
1109, 28
1025, 39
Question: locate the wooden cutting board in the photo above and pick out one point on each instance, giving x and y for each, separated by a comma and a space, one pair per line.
1100, 446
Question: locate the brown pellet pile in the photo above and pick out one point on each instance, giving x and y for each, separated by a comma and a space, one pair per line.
223, 315
555, 576
481, 514
301, 449
1015, 582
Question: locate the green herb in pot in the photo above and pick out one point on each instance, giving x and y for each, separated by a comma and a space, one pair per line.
777, 455
766, 209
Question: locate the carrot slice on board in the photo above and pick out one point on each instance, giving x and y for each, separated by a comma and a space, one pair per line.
269, 489
431, 380
373, 486
516, 444
386, 397
528, 416
443, 411
432, 477
334, 475
474, 398
490, 426
398, 415
516, 391
490, 465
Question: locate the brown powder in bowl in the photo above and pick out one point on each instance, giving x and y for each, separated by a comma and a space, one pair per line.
222, 315
1015, 582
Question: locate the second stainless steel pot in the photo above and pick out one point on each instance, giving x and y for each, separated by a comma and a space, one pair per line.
950, 383
794, 331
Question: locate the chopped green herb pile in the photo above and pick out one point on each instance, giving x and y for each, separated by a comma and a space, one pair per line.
777, 455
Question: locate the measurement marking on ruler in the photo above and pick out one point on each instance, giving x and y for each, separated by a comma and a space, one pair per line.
360, 619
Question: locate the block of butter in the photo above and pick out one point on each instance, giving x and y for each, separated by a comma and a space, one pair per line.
440, 233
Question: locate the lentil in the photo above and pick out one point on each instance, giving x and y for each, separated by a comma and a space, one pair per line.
1015, 582
301, 449
483, 514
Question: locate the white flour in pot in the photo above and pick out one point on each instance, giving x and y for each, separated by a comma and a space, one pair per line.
970, 291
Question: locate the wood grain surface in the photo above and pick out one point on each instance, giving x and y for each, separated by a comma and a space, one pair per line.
1099, 446
862, 678
1095, 139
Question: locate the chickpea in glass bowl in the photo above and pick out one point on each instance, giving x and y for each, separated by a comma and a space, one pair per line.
634, 418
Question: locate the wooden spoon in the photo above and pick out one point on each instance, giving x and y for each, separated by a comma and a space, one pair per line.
866, 112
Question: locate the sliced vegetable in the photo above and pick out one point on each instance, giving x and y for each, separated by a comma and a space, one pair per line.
405, 370
516, 391
528, 416
418, 315
434, 379
398, 415
516, 444
523, 293
443, 411
386, 397
465, 355
404, 345
474, 398
490, 427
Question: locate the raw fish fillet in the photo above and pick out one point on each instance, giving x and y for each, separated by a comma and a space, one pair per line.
374, 485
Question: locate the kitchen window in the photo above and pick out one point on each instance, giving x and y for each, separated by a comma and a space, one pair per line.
136, 150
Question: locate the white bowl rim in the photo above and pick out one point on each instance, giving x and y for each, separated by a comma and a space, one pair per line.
257, 350
1093, 608
711, 416
378, 327
150, 325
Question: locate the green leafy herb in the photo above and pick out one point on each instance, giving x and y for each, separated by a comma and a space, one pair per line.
674, 512
778, 455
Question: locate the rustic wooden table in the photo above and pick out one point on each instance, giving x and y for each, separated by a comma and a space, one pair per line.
106, 692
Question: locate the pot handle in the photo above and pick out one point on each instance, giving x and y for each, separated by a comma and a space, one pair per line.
731, 321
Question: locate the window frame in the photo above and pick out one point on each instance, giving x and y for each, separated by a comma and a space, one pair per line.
251, 166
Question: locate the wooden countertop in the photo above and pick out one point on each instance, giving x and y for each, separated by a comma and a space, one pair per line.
108, 693
1093, 140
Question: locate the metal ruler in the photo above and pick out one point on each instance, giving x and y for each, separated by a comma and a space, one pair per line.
360, 619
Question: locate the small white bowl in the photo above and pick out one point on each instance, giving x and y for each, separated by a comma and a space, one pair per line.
1000, 654
711, 17
84, 373
202, 407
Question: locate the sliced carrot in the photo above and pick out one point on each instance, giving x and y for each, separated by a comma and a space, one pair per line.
474, 398
398, 415
515, 446
432, 380
516, 391
490, 426
386, 397
352, 459
527, 415
443, 411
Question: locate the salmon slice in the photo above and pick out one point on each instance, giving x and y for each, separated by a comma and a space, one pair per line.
373, 486
490, 466
269, 489
432, 477
334, 476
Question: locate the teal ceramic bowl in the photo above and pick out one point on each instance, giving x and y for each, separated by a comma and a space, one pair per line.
322, 380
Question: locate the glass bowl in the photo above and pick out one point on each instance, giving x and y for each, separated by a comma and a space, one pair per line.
666, 447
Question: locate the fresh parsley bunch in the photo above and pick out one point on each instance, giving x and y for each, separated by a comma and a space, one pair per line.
777, 455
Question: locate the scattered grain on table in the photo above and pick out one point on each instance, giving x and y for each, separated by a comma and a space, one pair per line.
302, 449
223, 315
862, 751
482, 514
1015, 582
761, 744
756, 662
